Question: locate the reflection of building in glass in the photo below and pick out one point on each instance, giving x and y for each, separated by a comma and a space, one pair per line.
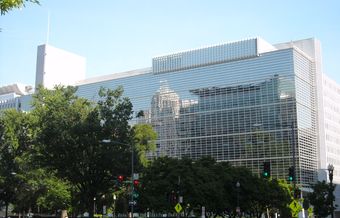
244, 124
238, 103
165, 106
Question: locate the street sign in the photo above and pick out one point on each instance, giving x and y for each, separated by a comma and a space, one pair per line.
310, 212
295, 207
132, 203
135, 194
238, 209
178, 208
203, 212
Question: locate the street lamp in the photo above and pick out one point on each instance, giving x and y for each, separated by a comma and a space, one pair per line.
114, 205
330, 169
94, 206
238, 197
12, 174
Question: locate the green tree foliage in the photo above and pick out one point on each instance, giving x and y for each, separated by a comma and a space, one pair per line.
15, 139
145, 138
210, 191
68, 151
321, 198
22, 181
56, 194
8, 5
210, 184
40, 188
86, 143
256, 195
288, 190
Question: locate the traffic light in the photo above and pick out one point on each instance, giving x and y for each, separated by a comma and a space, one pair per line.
297, 193
120, 179
173, 197
266, 169
136, 182
119, 182
291, 174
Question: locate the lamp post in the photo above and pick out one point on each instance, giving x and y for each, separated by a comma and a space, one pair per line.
330, 169
94, 206
12, 174
238, 197
114, 205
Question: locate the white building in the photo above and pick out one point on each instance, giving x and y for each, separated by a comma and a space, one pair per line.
330, 153
14, 96
58, 67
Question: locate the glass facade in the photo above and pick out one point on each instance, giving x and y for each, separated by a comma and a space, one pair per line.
244, 109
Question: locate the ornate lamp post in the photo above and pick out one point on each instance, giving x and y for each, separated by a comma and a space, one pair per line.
330, 169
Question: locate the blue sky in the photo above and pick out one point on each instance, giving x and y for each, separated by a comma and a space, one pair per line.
121, 35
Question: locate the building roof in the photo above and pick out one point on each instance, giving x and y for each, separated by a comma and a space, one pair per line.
19, 89
113, 76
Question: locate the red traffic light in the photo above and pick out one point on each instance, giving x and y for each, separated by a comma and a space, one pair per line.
120, 178
135, 182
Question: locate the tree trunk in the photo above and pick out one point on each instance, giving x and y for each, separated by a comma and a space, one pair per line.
6, 212
91, 206
91, 213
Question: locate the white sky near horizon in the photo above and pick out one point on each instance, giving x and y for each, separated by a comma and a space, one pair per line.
122, 35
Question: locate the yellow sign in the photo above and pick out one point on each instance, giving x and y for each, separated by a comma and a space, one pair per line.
295, 207
310, 212
178, 207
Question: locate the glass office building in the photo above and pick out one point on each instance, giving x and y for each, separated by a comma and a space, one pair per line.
245, 102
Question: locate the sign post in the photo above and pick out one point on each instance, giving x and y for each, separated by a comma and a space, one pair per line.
178, 208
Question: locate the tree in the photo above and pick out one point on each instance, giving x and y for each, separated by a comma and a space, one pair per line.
217, 186
159, 185
211, 184
7, 5
22, 181
86, 143
287, 194
15, 139
321, 198
145, 138
41, 191
56, 194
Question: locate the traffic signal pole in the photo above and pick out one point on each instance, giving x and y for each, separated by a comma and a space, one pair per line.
132, 179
